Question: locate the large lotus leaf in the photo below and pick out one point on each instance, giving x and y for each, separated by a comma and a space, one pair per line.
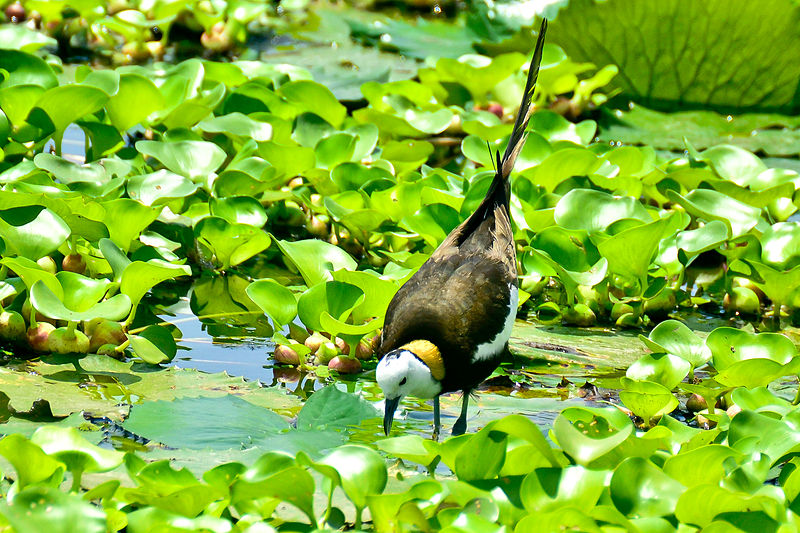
140, 276
46, 302
639, 488
547, 489
713, 205
239, 210
433, 223
277, 302
60, 106
126, 219
226, 422
663, 368
586, 434
676, 338
309, 96
334, 298
70, 447
702, 74
316, 260
631, 251
196, 160
647, 399
154, 345
237, 125
378, 292
230, 243
703, 128
42, 508
780, 245
30, 462
729, 345
362, 471
32, 231
594, 211
331, 408
159, 187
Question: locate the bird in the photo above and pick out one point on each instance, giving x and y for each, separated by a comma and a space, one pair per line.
447, 328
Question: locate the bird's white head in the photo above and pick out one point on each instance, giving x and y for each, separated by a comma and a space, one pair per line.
414, 369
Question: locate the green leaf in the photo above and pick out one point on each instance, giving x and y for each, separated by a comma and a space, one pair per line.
362, 471
411, 448
699, 505
547, 489
277, 302
639, 488
32, 231
154, 345
19, 37
704, 74
126, 219
48, 303
239, 210
676, 338
330, 408
230, 243
333, 298
316, 260
647, 399
594, 211
631, 251
60, 106
587, 434
139, 277
663, 368
196, 160
700, 465
309, 96
70, 447
159, 187
136, 99
26, 69
433, 223
292, 485
42, 508
237, 125
30, 462
729, 345
226, 422
712, 205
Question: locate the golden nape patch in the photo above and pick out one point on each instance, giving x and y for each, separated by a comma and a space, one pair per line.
429, 353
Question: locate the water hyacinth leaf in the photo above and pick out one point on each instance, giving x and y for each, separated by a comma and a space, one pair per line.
81, 292
237, 125
700, 465
780, 245
70, 447
547, 489
702, 239
312, 97
479, 74
699, 505
42, 508
352, 176
17, 101
630, 252
756, 398
159, 187
647, 399
593, 211
411, 448
154, 345
287, 159
46, 302
117, 259
292, 485
26, 69
277, 302
729, 345
335, 298
32, 231
433, 223
563, 164
663, 368
227, 422
778, 285
230, 243
675, 337
31, 272
712, 205
587, 434
335, 149
362, 471
752, 373
406, 155
126, 219
239, 210
60, 106
378, 293
68, 172
19, 37
139, 277
196, 160
316, 260
30, 462
136, 99
763, 433
639, 488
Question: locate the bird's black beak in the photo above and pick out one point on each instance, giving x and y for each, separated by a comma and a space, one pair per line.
388, 413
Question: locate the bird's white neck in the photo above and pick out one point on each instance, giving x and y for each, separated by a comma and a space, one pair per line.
401, 373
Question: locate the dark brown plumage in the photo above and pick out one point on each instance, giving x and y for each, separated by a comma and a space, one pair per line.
464, 296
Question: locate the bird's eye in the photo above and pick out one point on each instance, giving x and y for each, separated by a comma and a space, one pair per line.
402, 382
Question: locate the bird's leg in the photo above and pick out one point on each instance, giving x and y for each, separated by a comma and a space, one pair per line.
460, 427
437, 424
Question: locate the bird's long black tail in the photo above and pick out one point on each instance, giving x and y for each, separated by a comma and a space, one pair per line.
518, 135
